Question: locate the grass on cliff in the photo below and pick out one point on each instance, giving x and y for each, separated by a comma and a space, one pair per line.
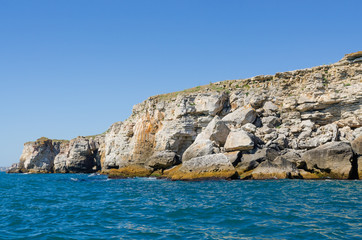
354, 55
42, 140
224, 86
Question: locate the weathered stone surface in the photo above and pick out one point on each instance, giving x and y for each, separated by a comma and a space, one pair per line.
269, 106
216, 131
357, 145
238, 140
253, 158
249, 127
359, 163
163, 160
215, 166
129, 172
38, 156
198, 149
241, 116
280, 168
271, 121
213, 135
333, 159
210, 104
79, 155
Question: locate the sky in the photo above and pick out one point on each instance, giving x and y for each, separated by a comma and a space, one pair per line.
71, 68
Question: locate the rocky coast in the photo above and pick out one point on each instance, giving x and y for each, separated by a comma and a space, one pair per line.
304, 124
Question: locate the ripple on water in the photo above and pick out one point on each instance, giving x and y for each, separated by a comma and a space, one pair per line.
80, 206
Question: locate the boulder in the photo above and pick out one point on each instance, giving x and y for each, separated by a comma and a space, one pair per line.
241, 116
357, 149
234, 157
271, 121
279, 168
238, 140
216, 131
357, 145
214, 135
257, 101
163, 160
215, 166
209, 104
333, 159
270, 107
253, 158
249, 127
197, 149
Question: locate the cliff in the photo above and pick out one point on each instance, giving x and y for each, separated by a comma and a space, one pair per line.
299, 124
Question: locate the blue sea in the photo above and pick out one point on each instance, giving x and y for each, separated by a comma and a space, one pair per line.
83, 206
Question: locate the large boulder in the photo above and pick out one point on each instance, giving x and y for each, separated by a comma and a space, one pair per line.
357, 149
357, 145
252, 159
198, 149
209, 104
163, 160
213, 136
215, 166
238, 140
216, 131
271, 121
279, 168
241, 116
333, 159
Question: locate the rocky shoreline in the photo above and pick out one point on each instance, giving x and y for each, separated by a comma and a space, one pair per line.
304, 124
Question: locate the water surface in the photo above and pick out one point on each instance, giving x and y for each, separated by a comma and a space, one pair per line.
80, 206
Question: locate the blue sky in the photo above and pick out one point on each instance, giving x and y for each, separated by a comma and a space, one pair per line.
73, 67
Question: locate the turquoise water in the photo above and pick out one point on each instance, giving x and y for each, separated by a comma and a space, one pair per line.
80, 206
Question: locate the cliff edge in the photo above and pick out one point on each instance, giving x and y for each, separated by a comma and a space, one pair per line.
299, 124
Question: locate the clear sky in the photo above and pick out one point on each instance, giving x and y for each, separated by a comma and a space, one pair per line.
73, 67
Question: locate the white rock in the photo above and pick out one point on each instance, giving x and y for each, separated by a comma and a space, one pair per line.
241, 116
238, 140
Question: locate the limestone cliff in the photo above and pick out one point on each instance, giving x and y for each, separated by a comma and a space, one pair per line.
269, 126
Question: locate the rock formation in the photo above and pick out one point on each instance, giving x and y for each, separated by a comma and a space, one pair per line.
299, 124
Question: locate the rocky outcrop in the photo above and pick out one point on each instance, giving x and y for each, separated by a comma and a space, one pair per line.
215, 166
238, 140
269, 126
357, 157
334, 159
79, 155
45, 155
38, 156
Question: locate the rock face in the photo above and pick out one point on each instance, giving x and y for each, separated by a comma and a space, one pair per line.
333, 158
60, 156
238, 140
215, 166
38, 156
266, 126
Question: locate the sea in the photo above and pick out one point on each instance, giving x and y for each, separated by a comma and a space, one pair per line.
90, 206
